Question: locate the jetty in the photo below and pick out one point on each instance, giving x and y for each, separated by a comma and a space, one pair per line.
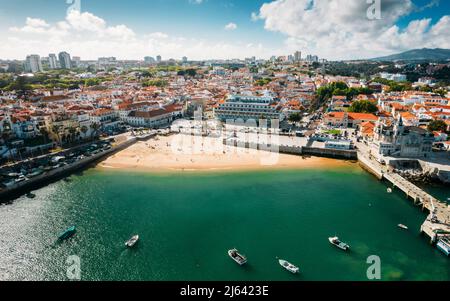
437, 224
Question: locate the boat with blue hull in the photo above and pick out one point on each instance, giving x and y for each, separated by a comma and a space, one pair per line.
68, 233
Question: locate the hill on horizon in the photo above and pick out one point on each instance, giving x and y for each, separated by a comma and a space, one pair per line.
425, 54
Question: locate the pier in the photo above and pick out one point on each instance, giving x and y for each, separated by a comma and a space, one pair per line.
438, 221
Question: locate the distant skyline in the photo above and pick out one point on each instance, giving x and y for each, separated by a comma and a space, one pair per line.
220, 29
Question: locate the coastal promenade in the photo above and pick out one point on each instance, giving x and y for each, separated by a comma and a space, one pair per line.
288, 145
437, 223
121, 142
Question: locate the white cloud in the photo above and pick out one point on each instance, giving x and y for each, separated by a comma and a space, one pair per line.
231, 26
333, 29
36, 22
158, 35
340, 29
255, 17
89, 36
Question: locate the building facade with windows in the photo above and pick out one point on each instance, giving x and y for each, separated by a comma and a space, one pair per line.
33, 63
248, 108
399, 140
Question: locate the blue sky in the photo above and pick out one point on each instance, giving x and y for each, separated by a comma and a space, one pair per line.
177, 17
277, 31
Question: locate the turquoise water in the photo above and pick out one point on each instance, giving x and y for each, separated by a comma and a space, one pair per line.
187, 222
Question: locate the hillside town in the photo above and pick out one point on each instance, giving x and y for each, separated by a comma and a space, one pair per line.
55, 105
268, 142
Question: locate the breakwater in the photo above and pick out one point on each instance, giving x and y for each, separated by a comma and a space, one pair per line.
437, 224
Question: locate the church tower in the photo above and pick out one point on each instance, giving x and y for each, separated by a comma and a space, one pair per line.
399, 127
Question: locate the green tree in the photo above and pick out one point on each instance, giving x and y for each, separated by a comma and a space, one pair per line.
263, 82
363, 106
72, 133
20, 84
84, 129
44, 132
95, 127
437, 125
191, 72
441, 92
56, 131
296, 117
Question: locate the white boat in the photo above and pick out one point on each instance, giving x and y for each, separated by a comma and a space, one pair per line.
403, 226
444, 245
336, 242
289, 266
238, 258
132, 241
389, 190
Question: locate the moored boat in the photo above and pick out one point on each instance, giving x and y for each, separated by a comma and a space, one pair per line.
132, 241
238, 258
336, 242
30, 195
444, 245
68, 233
289, 266
403, 226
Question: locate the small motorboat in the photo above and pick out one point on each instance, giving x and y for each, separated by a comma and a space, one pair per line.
389, 190
403, 226
30, 195
336, 242
238, 258
444, 245
132, 241
68, 233
289, 266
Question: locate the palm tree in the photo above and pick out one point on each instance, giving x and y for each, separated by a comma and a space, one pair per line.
72, 132
84, 129
44, 133
6, 135
94, 126
55, 130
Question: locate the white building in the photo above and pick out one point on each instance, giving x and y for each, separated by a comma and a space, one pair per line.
33, 63
64, 60
149, 60
154, 118
402, 141
248, 108
52, 61
394, 77
76, 61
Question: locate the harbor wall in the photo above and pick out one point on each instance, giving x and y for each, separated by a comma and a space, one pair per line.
297, 150
444, 176
330, 153
367, 165
38, 181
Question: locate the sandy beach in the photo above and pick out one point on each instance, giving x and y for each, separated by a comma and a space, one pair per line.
186, 153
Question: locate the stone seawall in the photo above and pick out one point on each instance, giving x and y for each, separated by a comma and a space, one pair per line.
39, 181
297, 150
330, 153
367, 165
